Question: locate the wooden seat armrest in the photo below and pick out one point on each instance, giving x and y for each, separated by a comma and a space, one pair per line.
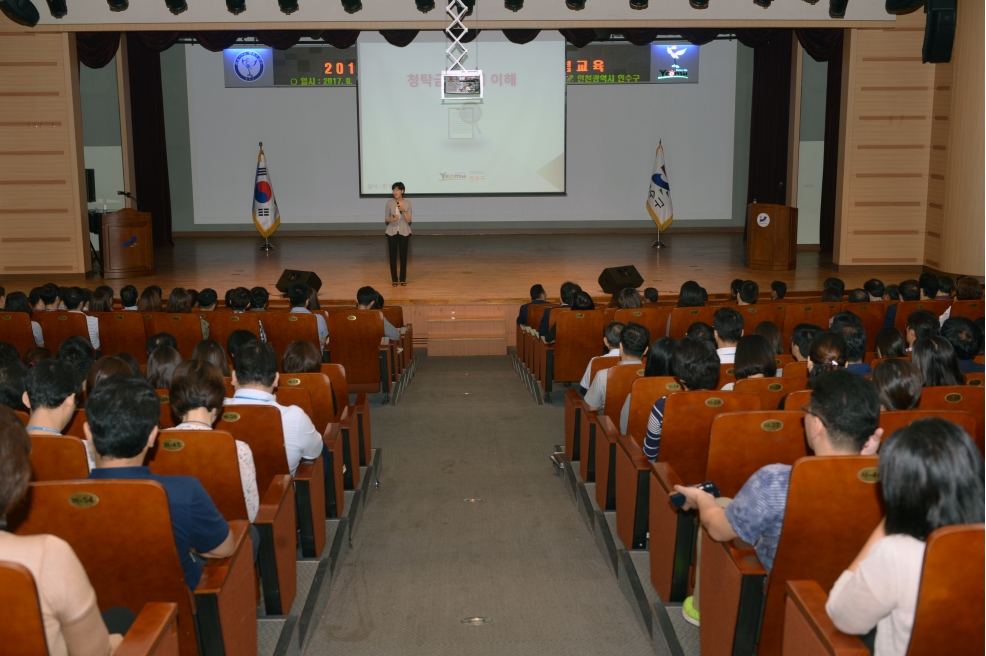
633, 450
744, 557
153, 632
809, 600
216, 569
666, 476
571, 396
333, 431
606, 425
384, 343
273, 499
361, 405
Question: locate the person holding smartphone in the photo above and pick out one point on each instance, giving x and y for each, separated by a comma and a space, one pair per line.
398, 218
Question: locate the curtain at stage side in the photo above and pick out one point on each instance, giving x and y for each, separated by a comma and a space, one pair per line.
769, 119
341, 39
699, 36
217, 41
97, 49
756, 36
150, 150
830, 162
639, 37
821, 44
521, 36
579, 38
158, 41
399, 38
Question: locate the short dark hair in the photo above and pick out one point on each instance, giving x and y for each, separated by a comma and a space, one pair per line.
735, 286
696, 364
628, 298
690, 295
909, 290
931, 473
193, 295
73, 298
209, 350
397, 185
828, 352
923, 323
8, 352
831, 295
78, 352
298, 294
49, 293
15, 461
701, 331
635, 339
874, 287
848, 406
650, 294
890, 343
754, 356
899, 383
855, 337
968, 288
846, 318
161, 365
161, 339
780, 288
964, 336
105, 367
256, 363
728, 323
132, 361
18, 302
660, 357
769, 331
196, 384
239, 298
835, 282
582, 301
612, 333
236, 339
935, 358
13, 377
34, 295
892, 291
945, 284
749, 292
301, 357
207, 297
259, 297
803, 334
121, 413
928, 282
859, 296
378, 304
366, 296
128, 296
537, 291
567, 292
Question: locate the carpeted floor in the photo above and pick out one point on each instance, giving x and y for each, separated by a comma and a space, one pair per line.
424, 559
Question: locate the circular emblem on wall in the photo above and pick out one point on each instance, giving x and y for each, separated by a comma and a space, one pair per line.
248, 65
763, 220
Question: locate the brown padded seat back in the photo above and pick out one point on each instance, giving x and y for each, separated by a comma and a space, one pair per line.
771, 390
578, 339
600, 363
905, 308
754, 315
74, 427
260, 427
950, 610
644, 393
814, 313
971, 310
535, 313
319, 387
15, 329
795, 400
394, 314
209, 456
619, 380
293, 395
966, 398
89, 515
872, 315
58, 458
687, 421
897, 419
222, 325
57, 326
682, 318
655, 320
740, 443
337, 376
21, 624
795, 370
122, 332
282, 328
354, 341
727, 374
185, 327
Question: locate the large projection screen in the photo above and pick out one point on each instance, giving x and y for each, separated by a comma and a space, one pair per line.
510, 142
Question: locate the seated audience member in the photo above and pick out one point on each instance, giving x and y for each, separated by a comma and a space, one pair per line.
890, 344
659, 363
891, 293
920, 325
727, 326
53, 390
899, 383
132, 361
702, 332
928, 283
831, 295
874, 289
538, 297
859, 296
197, 393
73, 303
226, 298
150, 301
8, 352
691, 295
122, 417
69, 610
366, 299
769, 331
567, 292
193, 294
611, 344
301, 357
634, 341
967, 341
239, 302
628, 298
180, 302
299, 295
77, 352
50, 295
208, 299
753, 359
946, 288
13, 378
696, 366
161, 339
836, 283
650, 295
259, 298
101, 301
379, 303
35, 355
254, 380
855, 337
734, 288
931, 474
841, 418
161, 365
936, 360
909, 290
105, 367
211, 351
18, 302
580, 301
236, 339
826, 353
748, 293
34, 296
128, 296
705, 295
968, 288
778, 290
3, 296
840, 319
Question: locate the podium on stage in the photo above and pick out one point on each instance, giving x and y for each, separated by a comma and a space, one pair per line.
771, 237
126, 241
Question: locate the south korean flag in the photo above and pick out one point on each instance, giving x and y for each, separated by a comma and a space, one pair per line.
265, 215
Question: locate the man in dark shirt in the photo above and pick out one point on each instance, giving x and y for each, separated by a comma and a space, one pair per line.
538, 297
568, 291
966, 338
122, 416
855, 337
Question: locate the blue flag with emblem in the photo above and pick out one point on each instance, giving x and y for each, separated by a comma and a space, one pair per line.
266, 216
659, 194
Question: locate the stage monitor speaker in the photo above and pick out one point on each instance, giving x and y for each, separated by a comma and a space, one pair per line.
939, 31
292, 276
614, 279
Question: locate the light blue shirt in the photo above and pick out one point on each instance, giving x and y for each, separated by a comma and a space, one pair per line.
323, 329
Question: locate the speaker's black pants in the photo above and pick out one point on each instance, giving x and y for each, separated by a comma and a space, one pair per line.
398, 242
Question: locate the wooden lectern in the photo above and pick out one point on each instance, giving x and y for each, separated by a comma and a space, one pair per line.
127, 244
771, 237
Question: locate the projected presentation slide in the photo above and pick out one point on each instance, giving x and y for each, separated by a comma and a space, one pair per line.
510, 142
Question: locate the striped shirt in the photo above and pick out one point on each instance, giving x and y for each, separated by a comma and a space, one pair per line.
757, 512
652, 442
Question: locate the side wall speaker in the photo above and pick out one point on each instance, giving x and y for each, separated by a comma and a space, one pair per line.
292, 276
614, 279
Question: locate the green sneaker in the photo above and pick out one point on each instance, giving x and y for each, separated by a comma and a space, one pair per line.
689, 612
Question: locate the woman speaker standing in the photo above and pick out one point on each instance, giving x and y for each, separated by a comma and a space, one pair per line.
398, 218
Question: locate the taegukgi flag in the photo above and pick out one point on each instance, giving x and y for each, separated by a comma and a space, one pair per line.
265, 214
659, 195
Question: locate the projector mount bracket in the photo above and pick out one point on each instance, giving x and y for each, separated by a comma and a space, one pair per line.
457, 82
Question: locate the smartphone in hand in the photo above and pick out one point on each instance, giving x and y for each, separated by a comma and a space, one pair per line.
678, 499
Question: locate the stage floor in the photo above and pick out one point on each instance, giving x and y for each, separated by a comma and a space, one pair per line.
469, 269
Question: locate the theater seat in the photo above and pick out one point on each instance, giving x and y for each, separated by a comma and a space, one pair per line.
121, 532
358, 344
58, 458
872, 315
971, 310
795, 370
578, 339
797, 399
222, 325
15, 329
358, 412
282, 328
122, 332
968, 399
586, 453
57, 326
655, 320
771, 390
186, 329
754, 315
682, 318
897, 419
905, 308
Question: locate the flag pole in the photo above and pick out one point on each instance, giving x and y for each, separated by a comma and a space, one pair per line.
267, 246
658, 244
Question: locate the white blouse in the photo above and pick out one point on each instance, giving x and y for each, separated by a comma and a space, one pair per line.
248, 471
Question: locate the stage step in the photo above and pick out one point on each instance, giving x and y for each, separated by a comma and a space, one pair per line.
456, 333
